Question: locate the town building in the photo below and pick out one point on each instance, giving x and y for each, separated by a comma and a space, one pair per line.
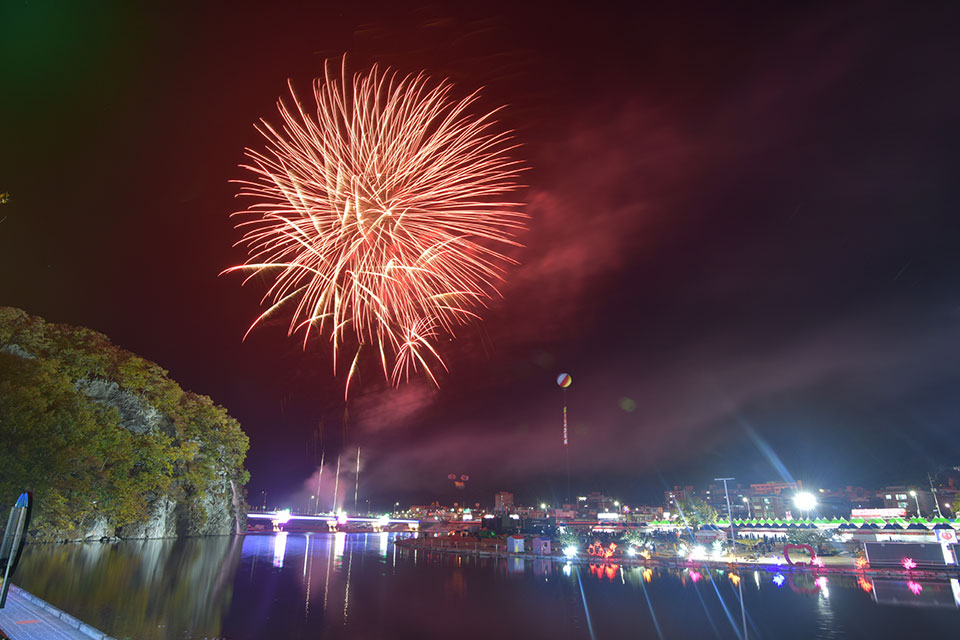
503, 502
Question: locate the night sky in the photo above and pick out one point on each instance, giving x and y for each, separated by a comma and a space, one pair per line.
743, 242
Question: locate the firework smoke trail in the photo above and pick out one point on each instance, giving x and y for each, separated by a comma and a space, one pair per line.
380, 214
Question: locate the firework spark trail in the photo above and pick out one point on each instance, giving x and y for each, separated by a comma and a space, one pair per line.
381, 216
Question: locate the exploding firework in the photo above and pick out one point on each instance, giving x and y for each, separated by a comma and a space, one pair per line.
380, 215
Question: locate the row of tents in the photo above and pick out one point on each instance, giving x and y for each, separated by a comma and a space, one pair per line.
913, 524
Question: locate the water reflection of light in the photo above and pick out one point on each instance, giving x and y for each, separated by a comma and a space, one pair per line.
346, 586
566, 569
822, 583
383, 544
915, 587
309, 576
306, 556
279, 548
339, 544
778, 579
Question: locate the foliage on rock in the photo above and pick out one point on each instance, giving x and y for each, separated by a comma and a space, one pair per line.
100, 434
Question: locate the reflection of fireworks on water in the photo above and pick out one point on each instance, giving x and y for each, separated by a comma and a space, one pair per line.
379, 215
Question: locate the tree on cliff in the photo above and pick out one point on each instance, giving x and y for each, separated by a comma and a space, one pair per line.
100, 434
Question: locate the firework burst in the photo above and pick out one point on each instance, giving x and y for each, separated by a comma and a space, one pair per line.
379, 214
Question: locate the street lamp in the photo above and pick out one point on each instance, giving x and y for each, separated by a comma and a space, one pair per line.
917, 500
746, 501
805, 502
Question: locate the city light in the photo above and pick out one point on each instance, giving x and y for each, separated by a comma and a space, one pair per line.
570, 551
631, 552
805, 501
283, 516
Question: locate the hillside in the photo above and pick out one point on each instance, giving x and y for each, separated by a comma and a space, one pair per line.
109, 444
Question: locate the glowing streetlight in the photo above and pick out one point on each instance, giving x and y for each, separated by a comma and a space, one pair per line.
917, 500
805, 502
570, 551
543, 506
746, 501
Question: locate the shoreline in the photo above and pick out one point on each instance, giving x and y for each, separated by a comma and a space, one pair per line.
416, 544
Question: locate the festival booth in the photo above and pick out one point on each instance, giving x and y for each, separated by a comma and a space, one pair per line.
515, 544
541, 546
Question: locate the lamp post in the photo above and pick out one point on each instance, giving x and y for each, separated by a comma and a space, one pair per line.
733, 536
936, 500
917, 500
746, 501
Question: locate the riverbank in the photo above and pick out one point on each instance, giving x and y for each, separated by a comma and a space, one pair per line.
27, 617
831, 564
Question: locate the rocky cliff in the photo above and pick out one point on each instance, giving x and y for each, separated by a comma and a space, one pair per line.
110, 445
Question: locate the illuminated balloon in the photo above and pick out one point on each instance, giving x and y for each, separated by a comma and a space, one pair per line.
564, 380
452, 476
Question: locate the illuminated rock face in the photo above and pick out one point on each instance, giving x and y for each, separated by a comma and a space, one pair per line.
68, 389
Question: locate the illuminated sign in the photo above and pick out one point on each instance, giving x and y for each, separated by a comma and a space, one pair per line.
946, 536
878, 513
608, 516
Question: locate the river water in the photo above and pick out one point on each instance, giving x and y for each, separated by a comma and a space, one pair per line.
363, 586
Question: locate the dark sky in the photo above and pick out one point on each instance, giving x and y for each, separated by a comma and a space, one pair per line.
743, 241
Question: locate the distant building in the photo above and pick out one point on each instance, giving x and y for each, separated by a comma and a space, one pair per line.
503, 502
909, 498
646, 514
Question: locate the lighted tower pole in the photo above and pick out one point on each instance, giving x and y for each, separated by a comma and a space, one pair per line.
564, 380
336, 485
316, 504
356, 490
